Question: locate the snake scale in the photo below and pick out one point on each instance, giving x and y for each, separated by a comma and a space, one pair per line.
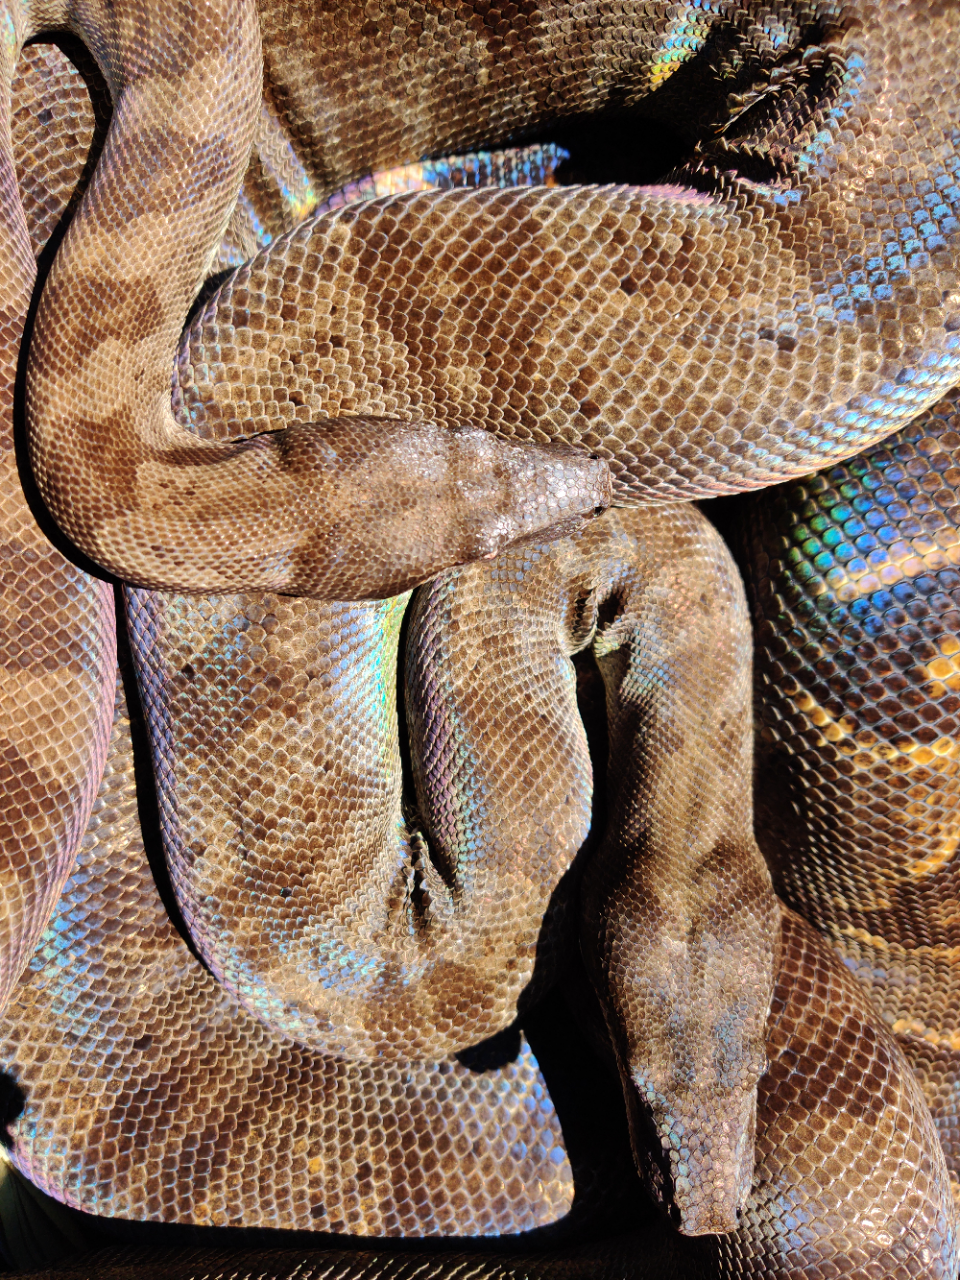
353, 1001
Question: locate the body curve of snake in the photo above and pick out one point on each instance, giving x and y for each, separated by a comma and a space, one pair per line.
389, 838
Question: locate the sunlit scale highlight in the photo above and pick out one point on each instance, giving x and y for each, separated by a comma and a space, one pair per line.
872, 548
286, 177
518, 167
9, 37
235, 256
685, 33
927, 218
682, 39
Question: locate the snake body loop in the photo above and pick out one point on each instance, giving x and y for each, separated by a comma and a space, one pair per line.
858, 772
385, 392
356, 934
57, 649
764, 370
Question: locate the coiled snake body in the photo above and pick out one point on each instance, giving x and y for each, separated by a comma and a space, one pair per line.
391, 390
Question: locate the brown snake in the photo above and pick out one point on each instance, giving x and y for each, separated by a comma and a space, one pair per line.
422, 381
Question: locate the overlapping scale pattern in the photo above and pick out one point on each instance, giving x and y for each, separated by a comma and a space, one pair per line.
813, 312
58, 117
317, 892
842, 1124
855, 577
152, 1095
355, 931
850, 1182
698, 345
850, 1175
56, 621
277, 193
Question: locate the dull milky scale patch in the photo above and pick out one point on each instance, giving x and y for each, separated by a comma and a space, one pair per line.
679, 922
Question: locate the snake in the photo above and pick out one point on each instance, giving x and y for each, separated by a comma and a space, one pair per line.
522, 358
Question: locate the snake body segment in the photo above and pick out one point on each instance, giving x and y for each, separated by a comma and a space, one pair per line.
56, 657
737, 330
839, 1099
770, 373
212, 1119
855, 582
339, 924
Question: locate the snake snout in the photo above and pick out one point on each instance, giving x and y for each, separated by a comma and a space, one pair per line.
525, 492
695, 1151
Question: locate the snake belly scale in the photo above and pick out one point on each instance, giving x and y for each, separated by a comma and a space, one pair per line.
519, 358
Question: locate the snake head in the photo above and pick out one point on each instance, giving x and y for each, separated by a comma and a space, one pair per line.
689, 1014
695, 1151
686, 980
